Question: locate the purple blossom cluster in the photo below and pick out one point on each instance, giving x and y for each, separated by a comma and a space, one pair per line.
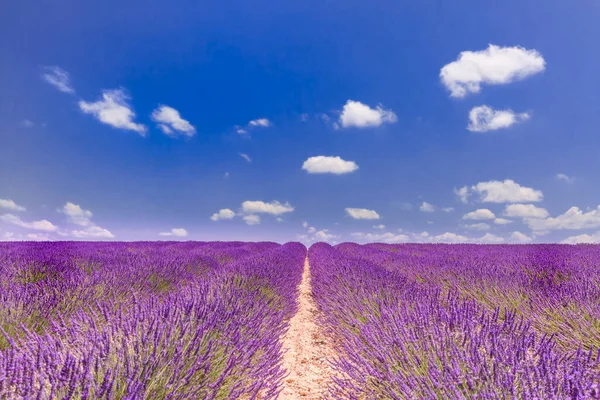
460, 322
145, 320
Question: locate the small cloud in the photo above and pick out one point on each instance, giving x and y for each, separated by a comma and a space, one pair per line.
304, 224
481, 214
241, 131
478, 227
304, 117
484, 119
381, 227
525, 211
38, 237
519, 237
279, 219
328, 165
113, 110
169, 120
226, 175
28, 123
448, 209
386, 237
362, 213
565, 178
251, 219
223, 214
463, 194
179, 232
359, 115
59, 78
450, 237
78, 216
502, 221
312, 229
273, 208
260, 122
41, 225
507, 191
583, 239
426, 207
493, 66
324, 236
11, 205
246, 157
93, 232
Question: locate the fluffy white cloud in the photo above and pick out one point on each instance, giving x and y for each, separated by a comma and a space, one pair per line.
519, 237
565, 178
463, 194
585, 238
262, 122
481, 214
362, 213
273, 208
484, 119
78, 216
386, 237
493, 66
59, 78
328, 165
10, 205
324, 236
478, 227
113, 110
507, 191
381, 227
525, 211
179, 232
224, 213
426, 207
41, 225
359, 115
502, 221
489, 238
93, 232
251, 219
573, 219
246, 157
450, 237
169, 119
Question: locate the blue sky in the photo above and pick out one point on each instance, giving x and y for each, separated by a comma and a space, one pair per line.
123, 122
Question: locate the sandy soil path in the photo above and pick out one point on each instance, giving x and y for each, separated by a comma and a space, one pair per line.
306, 350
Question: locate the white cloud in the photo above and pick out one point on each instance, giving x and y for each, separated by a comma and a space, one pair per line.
525, 211
8, 237
386, 237
489, 238
273, 208
241, 131
224, 213
78, 216
426, 207
463, 194
279, 219
481, 214
312, 229
450, 237
59, 78
328, 165
585, 238
11, 205
357, 114
41, 237
324, 236
493, 66
179, 232
448, 209
113, 110
93, 232
362, 213
507, 191
573, 219
261, 122
251, 219
478, 227
41, 225
246, 157
169, 119
381, 226
519, 237
502, 221
565, 178
27, 123
304, 224
484, 119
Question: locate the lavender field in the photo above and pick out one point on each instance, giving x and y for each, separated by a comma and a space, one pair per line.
207, 320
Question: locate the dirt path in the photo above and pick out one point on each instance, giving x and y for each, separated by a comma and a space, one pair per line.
306, 350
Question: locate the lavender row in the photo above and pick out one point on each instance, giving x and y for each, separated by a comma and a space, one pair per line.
402, 339
198, 321
555, 287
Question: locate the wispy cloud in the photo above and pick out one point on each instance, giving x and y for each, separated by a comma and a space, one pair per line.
59, 78
113, 109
